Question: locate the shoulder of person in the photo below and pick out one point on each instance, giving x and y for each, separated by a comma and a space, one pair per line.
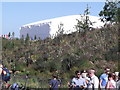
112, 81
102, 75
95, 78
74, 79
118, 81
51, 80
82, 79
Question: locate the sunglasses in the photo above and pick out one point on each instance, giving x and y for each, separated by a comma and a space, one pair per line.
78, 74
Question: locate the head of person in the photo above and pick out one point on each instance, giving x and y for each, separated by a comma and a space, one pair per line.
1, 66
84, 73
107, 70
117, 74
110, 76
78, 74
54, 76
91, 72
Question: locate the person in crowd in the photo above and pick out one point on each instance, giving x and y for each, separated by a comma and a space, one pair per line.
78, 81
54, 83
94, 81
69, 84
111, 84
6, 76
116, 76
1, 66
104, 78
84, 75
118, 82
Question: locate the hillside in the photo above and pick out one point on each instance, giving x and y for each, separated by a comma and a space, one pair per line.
64, 54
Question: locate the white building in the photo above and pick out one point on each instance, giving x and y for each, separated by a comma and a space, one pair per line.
48, 28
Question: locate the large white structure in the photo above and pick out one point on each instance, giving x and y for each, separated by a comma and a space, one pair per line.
48, 28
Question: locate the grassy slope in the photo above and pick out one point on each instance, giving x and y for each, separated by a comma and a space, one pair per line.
64, 54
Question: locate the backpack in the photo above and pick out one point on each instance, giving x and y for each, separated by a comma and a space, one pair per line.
14, 87
6, 74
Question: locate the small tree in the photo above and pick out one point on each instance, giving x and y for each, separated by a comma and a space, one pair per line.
35, 37
9, 34
13, 34
27, 39
22, 39
83, 25
60, 29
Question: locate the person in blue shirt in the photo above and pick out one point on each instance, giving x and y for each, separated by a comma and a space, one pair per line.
78, 81
54, 83
104, 78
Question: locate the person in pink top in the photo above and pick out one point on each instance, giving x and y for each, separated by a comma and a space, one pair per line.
111, 84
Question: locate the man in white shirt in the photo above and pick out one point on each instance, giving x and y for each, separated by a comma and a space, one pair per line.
94, 81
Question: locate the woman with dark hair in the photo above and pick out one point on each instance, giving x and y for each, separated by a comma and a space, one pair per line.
111, 84
118, 82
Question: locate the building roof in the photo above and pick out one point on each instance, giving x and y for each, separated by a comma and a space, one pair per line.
66, 19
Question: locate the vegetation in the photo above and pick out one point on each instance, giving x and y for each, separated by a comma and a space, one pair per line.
84, 24
63, 55
111, 11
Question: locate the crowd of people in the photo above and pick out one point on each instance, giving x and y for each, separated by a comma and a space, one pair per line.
87, 80
82, 80
90, 81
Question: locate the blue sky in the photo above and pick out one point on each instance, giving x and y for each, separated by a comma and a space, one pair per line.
16, 14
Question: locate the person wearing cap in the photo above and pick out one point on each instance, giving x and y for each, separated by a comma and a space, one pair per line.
94, 81
116, 76
78, 81
84, 75
104, 78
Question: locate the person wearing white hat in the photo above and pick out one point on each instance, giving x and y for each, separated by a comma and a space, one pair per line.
116, 76
94, 81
